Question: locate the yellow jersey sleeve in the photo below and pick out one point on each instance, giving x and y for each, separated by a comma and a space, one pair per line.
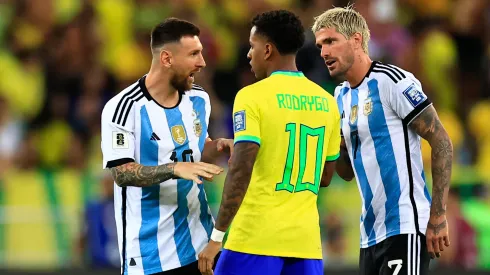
246, 118
333, 149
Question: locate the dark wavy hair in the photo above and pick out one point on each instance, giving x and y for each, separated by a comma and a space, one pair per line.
282, 28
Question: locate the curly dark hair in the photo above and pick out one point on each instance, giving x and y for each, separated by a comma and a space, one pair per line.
172, 30
283, 28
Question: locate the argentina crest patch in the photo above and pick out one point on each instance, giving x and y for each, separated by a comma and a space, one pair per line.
239, 123
414, 96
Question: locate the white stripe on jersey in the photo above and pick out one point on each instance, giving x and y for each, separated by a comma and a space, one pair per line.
375, 115
167, 225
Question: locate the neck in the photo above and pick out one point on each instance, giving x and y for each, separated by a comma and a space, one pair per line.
285, 63
158, 84
359, 69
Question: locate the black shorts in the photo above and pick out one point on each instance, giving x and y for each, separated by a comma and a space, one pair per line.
190, 269
404, 254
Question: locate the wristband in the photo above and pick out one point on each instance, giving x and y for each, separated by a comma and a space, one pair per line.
217, 235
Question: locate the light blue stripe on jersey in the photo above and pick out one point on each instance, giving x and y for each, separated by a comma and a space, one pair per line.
426, 190
340, 102
385, 156
182, 234
199, 105
150, 199
367, 193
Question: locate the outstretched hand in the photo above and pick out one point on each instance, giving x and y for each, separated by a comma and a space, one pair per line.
194, 170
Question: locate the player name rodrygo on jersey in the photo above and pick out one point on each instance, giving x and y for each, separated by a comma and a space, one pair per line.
297, 126
136, 128
375, 117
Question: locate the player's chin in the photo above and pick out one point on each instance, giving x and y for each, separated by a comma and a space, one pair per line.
335, 73
188, 84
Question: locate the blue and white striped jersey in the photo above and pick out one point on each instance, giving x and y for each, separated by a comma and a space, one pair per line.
165, 226
384, 152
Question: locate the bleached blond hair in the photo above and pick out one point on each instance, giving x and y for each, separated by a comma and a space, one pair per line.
346, 21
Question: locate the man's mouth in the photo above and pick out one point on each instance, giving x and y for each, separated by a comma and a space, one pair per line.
330, 62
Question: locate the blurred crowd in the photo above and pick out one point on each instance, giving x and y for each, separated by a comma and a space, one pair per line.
61, 60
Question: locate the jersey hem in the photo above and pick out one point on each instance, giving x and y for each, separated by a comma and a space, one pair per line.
117, 162
333, 158
187, 261
386, 236
247, 138
282, 253
417, 111
150, 271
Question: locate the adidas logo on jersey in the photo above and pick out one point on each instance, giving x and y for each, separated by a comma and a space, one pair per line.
154, 136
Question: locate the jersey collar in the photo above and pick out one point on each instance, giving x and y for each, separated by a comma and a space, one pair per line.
288, 73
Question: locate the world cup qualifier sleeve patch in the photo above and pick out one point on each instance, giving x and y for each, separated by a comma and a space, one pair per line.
414, 96
120, 140
239, 121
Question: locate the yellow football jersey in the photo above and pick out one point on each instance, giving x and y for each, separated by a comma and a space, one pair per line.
297, 125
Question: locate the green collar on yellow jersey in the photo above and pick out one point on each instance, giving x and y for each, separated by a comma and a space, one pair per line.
288, 73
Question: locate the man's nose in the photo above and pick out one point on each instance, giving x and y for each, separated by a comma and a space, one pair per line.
325, 52
201, 63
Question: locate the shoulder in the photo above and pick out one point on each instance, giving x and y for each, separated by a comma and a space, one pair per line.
250, 92
317, 90
340, 89
118, 108
198, 91
392, 78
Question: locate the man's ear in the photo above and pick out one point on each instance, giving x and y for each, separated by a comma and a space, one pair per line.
357, 39
166, 58
268, 51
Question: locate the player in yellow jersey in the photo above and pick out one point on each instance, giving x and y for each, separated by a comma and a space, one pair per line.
287, 138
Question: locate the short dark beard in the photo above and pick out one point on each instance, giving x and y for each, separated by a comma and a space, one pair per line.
180, 86
349, 60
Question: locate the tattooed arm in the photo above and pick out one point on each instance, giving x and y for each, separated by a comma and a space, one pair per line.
236, 183
344, 166
134, 174
429, 127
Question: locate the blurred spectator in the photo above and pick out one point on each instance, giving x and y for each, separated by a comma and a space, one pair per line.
97, 244
335, 242
11, 134
462, 253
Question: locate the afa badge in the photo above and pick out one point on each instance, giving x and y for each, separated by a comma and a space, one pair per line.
239, 123
197, 124
178, 134
353, 114
368, 106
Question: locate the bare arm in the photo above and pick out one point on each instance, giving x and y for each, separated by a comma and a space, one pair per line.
134, 174
344, 166
429, 127
236, 183
328, 171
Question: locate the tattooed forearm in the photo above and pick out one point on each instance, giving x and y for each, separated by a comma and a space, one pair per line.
428, 126
344, 166
236, 183
133, 174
